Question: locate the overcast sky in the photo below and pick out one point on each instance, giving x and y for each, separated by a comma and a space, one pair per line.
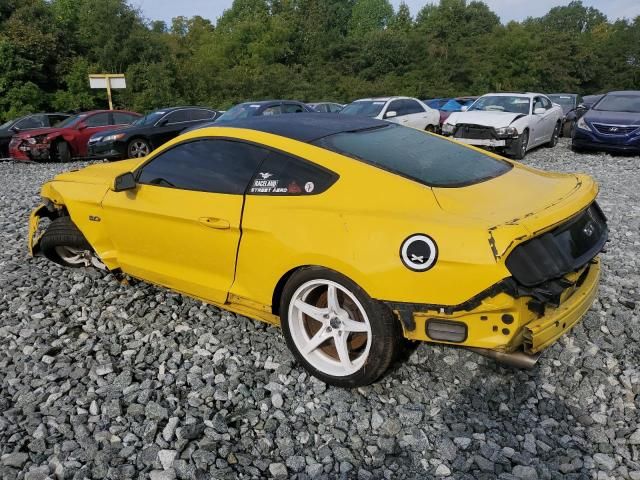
506, 9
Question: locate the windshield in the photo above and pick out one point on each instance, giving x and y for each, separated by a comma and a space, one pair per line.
502, 103
619, 103
244, 110
563, 100
6, 125
411, 153
149, 118
71, 120
364, 108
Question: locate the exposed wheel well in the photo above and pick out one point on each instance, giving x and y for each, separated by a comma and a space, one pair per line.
277, 292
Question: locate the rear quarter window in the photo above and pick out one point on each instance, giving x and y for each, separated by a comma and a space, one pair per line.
411, 153
281, 174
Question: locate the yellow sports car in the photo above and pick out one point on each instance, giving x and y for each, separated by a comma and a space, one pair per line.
352, 234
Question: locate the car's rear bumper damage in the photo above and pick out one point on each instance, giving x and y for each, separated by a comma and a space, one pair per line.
554, 282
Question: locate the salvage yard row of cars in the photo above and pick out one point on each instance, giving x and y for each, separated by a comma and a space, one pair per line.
509, 123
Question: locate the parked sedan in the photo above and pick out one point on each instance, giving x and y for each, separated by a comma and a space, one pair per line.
263, 108
510, 122
406, 111
573, 108
22, 124
350, 233
326, 107
69, 138
613, 124
147, 133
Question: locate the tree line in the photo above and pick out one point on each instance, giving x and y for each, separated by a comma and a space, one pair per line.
309, 50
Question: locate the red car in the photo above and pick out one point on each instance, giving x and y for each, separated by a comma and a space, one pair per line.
69, 138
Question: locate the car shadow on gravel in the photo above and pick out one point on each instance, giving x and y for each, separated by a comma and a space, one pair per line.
510, 423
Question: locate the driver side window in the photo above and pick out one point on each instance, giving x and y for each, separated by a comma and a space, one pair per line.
98, 120
216, 166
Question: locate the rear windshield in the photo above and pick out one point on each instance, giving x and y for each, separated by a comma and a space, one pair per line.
426, 158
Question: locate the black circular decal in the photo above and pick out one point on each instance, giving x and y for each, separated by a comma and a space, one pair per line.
419, 252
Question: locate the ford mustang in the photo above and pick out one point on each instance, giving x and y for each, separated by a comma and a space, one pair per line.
352, 234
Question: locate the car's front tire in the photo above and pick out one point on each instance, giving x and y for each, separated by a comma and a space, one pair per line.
138, 148
519, 148
64, 244
335, 330
62, 151
554, 136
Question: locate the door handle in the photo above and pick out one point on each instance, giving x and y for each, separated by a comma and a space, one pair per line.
213, 222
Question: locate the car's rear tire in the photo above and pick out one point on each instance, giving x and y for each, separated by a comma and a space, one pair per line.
138, 148
519, 149
64, 244
554, 136
430, 128
335, 330
62, 152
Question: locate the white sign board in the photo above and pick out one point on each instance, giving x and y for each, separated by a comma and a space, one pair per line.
101, 82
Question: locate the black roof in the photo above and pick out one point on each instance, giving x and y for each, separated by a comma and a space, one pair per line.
171, 109
305, 127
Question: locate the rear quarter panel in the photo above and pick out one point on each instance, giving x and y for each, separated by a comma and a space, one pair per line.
357, 228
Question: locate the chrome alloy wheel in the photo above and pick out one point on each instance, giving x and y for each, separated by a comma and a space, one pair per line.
330, 327
138, 149
74, 256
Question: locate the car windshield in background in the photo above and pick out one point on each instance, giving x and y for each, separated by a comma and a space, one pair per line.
363, 109
619, 103
244, 110
428, 159
150, 118
71, 120
502, 103
6, 125
563, 100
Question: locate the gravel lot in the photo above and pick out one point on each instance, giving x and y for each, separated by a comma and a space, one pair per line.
103, 380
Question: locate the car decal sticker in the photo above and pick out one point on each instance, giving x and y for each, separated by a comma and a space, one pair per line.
419, 252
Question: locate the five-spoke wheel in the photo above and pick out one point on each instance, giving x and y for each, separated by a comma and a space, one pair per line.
335, 329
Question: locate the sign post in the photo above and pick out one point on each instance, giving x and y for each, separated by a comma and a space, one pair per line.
108, 81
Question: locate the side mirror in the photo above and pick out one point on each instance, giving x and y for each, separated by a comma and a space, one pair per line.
14, 129
583, 106
123, 182
82, 126
163, 122
539, 111
464, 108
390, 114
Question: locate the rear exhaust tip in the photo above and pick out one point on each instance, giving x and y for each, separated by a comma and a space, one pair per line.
517, 359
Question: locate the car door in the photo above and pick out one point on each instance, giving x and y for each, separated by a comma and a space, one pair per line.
169, 127
180, 227
396, 106
415, 114
544, 122
90, 125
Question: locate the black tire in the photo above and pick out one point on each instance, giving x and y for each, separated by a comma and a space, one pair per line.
554, 136
519, 148
430, 128
137, 147
386, 333
62, 232
567, 128
62, 152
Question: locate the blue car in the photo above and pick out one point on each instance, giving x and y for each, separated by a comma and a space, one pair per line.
612, 124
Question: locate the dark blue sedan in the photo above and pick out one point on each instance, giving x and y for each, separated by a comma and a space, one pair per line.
612, 124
